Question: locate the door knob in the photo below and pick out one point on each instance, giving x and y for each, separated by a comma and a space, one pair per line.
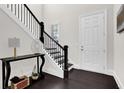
81, 46
82, 49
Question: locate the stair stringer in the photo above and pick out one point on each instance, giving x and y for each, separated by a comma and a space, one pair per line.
51, 66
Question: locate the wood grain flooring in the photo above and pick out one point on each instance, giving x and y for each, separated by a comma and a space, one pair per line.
78, 79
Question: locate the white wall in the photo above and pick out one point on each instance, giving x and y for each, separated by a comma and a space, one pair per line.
118, 51
37, 10
68, 18
9, 29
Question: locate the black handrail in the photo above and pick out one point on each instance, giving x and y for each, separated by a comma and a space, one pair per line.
54, 40
32, 14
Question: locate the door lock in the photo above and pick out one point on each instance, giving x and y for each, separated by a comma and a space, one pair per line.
82, 48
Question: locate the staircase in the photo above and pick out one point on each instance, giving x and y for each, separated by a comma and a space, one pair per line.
35, 28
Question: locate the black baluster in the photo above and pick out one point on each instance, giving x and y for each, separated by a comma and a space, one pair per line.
52, 46
60, 54
63, 59
49, 42
45, 39
57, 53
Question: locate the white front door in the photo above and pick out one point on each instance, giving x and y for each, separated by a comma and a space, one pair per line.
93, 41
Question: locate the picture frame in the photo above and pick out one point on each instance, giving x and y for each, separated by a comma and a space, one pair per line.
120, 19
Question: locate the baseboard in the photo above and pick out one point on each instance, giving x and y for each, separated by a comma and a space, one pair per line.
76, 66
117, 79
107, 72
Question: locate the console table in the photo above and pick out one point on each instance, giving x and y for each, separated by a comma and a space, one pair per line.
6, 65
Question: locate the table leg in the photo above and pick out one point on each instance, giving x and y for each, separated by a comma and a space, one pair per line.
38, 65
8, 71
41, 67
3, 75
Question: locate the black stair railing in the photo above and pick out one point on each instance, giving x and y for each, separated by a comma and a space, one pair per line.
53, 48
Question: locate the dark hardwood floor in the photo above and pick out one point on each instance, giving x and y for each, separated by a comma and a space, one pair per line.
78, 79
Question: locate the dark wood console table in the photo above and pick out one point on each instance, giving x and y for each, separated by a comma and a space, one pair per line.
6, 64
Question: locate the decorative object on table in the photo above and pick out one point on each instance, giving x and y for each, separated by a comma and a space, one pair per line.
19, 82
35, 46
14, 43
120, 19
34, 75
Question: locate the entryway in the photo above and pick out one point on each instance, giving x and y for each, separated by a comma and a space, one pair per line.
93, 41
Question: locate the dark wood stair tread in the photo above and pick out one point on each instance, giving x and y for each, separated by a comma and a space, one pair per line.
51, 48
59, 56
54, 52
61, 61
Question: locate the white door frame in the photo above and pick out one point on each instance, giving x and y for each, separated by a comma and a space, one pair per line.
91, 13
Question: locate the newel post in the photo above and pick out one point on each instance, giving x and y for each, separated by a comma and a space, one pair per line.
66, 62
41, 31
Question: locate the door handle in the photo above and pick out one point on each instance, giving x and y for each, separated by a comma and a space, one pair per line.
82, 49
81, 46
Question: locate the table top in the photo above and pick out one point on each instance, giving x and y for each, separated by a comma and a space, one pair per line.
9, 59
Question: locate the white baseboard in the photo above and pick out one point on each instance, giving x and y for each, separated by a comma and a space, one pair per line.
117, 79
108, 72
76, 66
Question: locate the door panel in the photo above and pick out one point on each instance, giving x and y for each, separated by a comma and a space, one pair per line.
93, 41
